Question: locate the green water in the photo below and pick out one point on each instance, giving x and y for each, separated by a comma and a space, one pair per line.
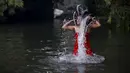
23, 50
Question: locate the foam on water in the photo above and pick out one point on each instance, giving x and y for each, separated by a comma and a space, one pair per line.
69, 58
82, 57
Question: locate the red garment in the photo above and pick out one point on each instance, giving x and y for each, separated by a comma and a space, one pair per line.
86, 44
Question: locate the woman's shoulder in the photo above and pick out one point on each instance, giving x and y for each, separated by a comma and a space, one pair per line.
76, 28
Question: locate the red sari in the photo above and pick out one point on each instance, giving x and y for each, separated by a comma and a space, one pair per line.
86, 44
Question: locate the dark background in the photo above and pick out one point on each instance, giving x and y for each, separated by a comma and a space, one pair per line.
37, 11
33, 11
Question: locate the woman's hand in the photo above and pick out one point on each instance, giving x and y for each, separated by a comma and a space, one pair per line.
95, 24
64, 21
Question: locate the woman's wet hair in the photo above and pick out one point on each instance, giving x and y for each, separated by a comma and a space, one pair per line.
80, 9
83, 12
92, 18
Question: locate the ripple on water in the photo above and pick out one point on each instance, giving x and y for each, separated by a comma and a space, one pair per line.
69, 58
61, 66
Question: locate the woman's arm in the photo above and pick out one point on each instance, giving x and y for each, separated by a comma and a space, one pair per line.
95, 24
65, 25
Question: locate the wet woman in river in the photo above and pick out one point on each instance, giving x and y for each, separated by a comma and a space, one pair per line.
91, 22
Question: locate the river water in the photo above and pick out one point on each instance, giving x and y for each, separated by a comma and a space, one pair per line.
30, 49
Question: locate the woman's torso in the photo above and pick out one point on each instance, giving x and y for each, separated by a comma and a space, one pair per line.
77, 29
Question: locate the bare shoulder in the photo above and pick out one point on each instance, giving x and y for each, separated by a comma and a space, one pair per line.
76, 28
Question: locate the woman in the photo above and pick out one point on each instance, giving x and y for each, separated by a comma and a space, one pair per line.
93, 24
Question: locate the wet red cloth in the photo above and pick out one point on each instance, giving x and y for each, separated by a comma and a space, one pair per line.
86, 44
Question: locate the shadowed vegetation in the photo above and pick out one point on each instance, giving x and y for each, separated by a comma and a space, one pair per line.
10, 5
117, 13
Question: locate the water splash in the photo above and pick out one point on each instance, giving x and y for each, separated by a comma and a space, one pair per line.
82, 57
82, 39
